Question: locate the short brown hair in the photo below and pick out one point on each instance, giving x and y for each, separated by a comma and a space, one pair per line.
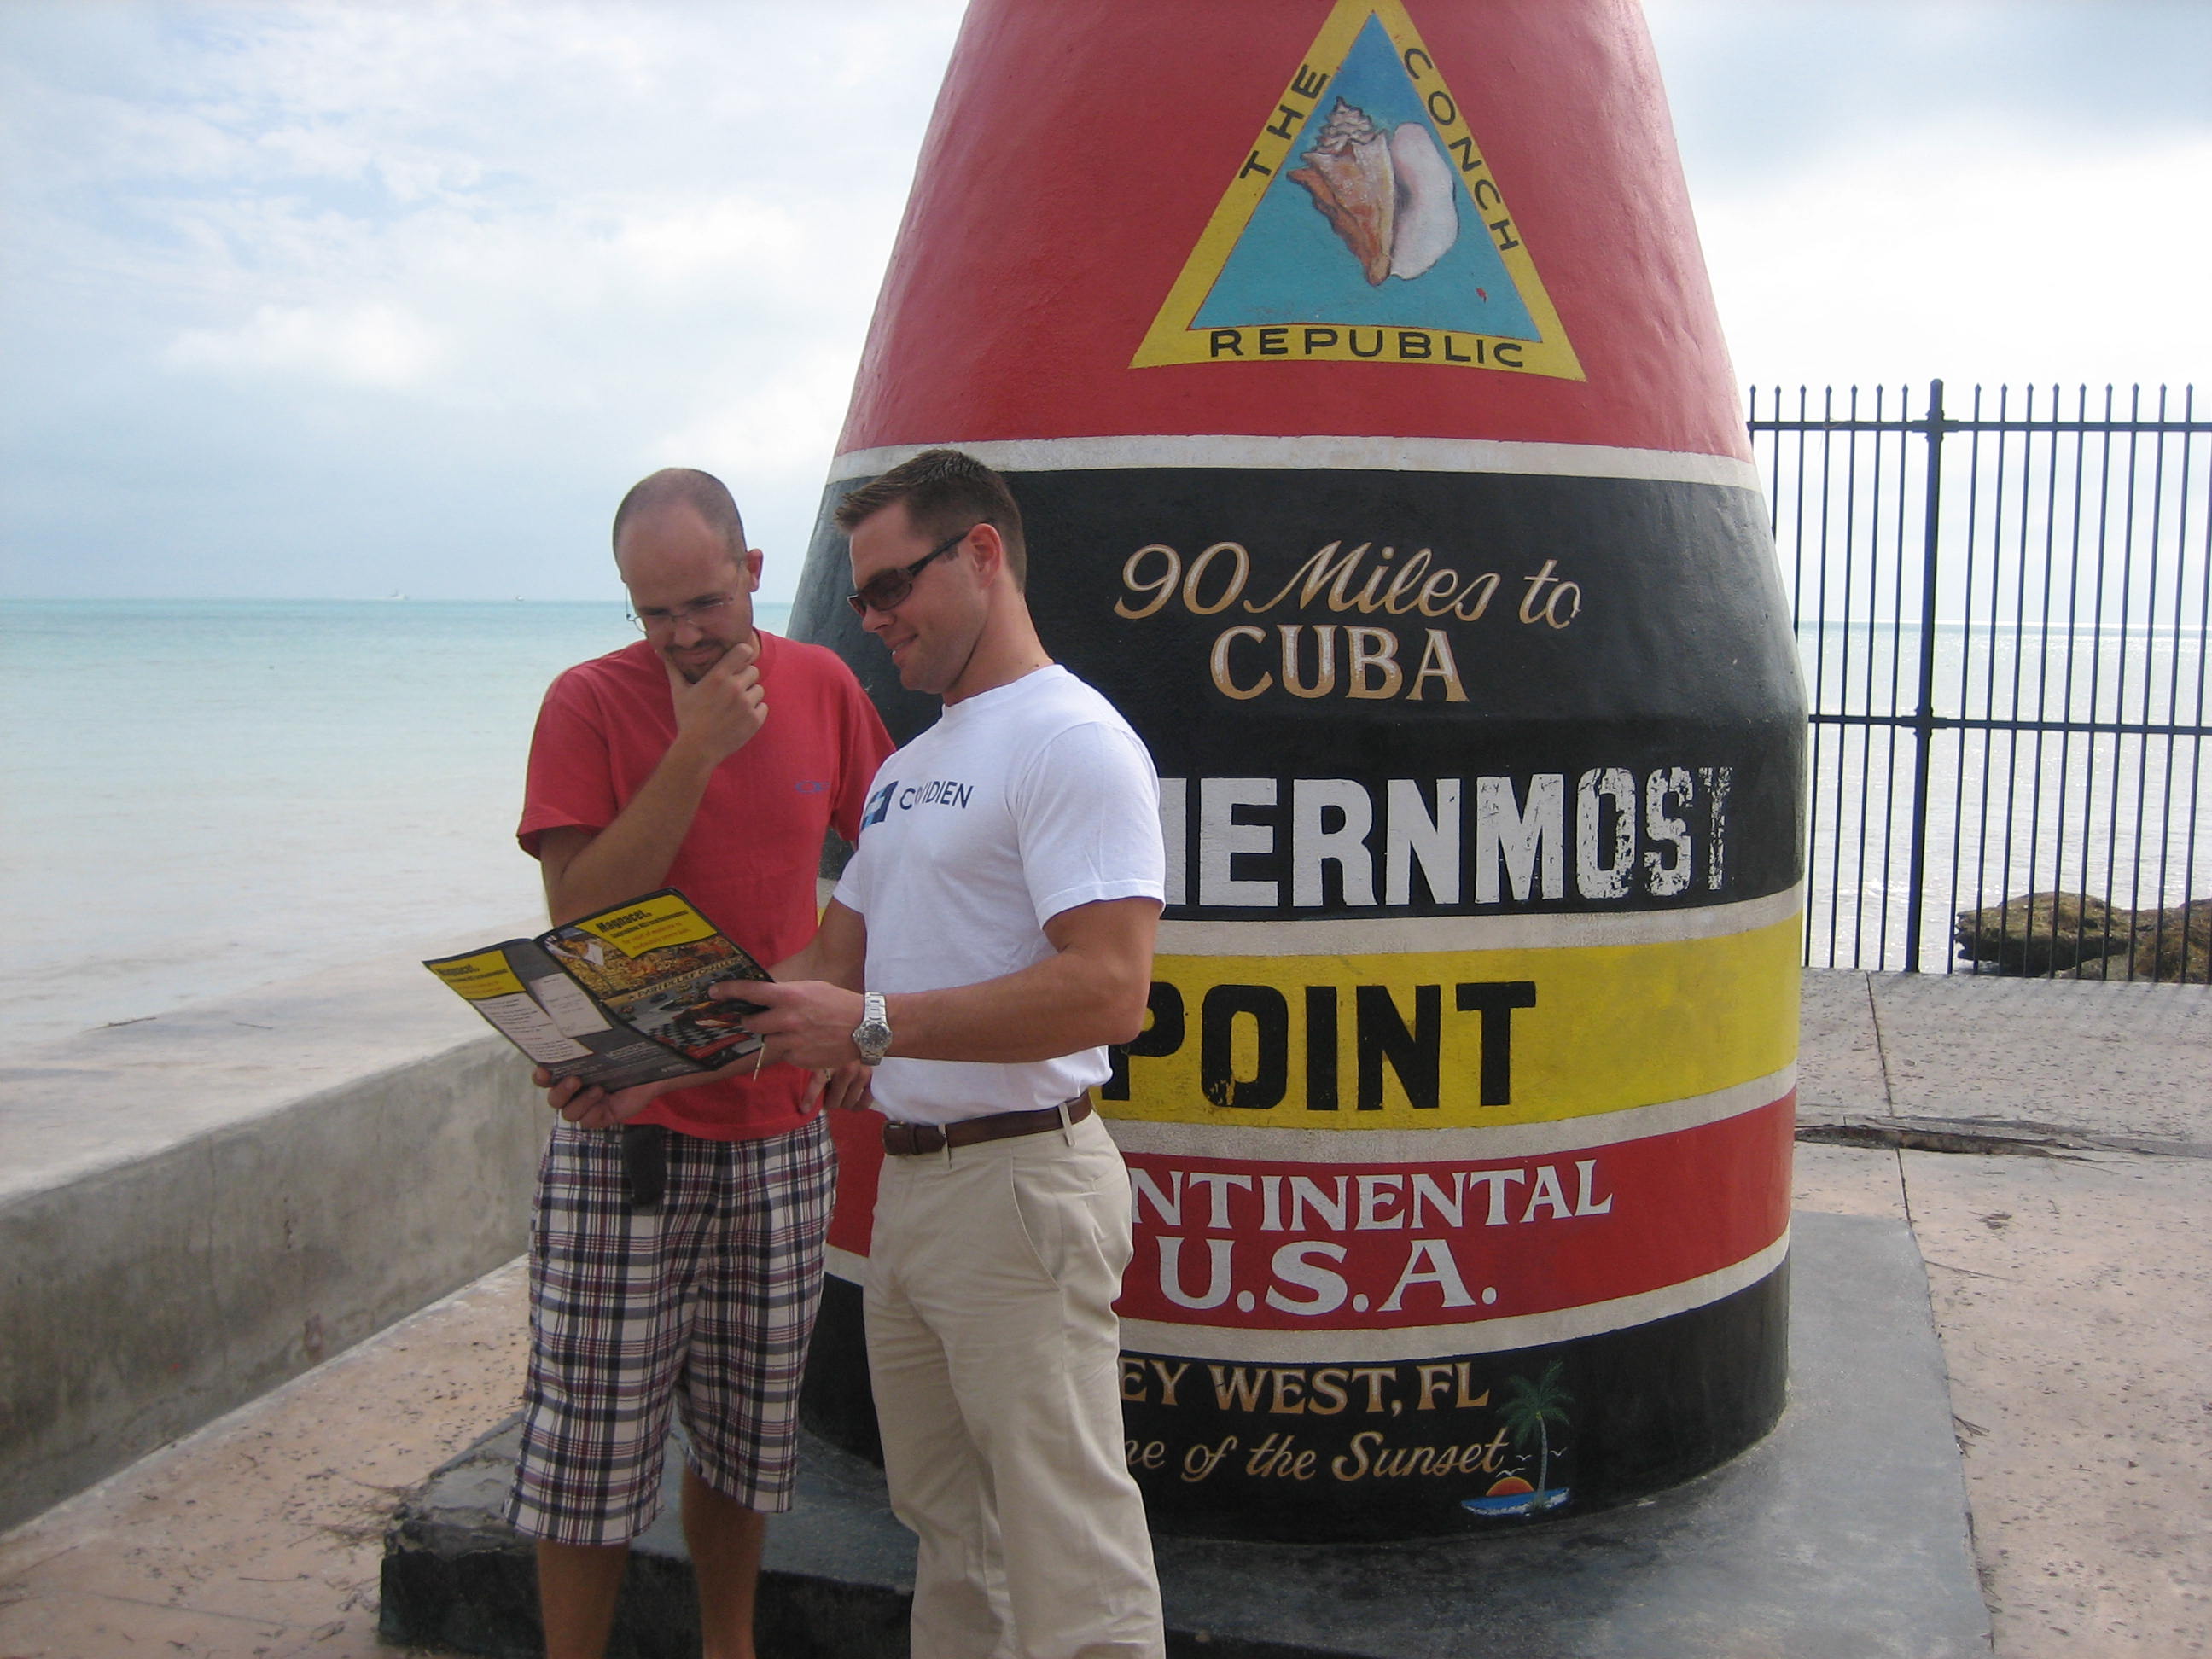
702, 492
946, 492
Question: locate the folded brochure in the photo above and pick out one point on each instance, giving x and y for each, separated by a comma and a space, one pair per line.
617, 998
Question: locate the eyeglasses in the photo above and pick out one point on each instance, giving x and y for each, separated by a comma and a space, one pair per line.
647, 618
887, 589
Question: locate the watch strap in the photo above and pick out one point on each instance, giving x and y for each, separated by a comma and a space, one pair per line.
872, 1035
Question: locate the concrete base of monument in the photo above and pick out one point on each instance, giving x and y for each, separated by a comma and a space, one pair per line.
1843, 1533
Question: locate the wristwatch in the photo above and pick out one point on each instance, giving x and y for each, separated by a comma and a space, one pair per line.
872, 1035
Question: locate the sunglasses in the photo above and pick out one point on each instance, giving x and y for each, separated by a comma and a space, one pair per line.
887, 590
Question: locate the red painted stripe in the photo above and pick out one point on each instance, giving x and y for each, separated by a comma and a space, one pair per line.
1079, 148
860, 1137
1608, 1222
1682, 1206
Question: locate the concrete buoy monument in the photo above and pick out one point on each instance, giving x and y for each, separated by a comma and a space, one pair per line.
1355, 368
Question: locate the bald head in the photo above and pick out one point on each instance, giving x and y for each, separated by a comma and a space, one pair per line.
681, 550
684, 487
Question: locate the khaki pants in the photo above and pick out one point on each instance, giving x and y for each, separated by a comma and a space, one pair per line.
994, 1353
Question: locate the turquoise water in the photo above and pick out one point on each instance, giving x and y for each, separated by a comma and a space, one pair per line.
2128, 819
203, 796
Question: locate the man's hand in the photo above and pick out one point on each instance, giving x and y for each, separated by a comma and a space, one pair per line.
718, 714
842, 1088
593, 1108
806, 1022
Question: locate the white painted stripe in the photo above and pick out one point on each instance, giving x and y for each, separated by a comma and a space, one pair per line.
1342, 455
1446, 1341
1257, 1143
1349, 936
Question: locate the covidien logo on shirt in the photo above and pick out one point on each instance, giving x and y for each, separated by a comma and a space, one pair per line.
937, 792
879, 804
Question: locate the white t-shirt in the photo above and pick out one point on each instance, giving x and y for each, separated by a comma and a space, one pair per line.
1019, 803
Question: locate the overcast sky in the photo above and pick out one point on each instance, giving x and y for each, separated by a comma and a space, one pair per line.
338, 300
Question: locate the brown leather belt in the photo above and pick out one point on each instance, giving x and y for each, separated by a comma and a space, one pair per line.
910, 1140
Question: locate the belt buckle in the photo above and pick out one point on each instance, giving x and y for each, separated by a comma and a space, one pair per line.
915, 1135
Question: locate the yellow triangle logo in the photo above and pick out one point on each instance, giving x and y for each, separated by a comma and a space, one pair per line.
1364, 227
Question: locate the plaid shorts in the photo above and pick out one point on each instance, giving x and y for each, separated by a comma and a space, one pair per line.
704, 1302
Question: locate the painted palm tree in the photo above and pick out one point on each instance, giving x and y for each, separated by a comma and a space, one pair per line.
1529, 1410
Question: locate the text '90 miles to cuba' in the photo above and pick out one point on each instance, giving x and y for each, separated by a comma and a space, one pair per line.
1359, 660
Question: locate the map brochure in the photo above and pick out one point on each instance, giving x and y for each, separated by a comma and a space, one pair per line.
616, 999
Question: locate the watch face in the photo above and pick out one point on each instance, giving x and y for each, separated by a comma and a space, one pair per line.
873, 1033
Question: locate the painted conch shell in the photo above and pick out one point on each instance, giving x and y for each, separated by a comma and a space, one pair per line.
1348, 173
1427, 222
1389, 194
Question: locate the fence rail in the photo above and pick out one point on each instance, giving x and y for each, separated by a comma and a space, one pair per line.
2001, 614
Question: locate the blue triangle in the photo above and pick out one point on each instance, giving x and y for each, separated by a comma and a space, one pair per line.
1290, 266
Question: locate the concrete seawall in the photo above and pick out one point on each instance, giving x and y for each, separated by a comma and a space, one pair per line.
197, 1207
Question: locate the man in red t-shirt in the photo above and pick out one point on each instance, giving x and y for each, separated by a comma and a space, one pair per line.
711, 757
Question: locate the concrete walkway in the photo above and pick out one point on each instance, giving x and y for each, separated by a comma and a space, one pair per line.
260, 1536
2072, 1286
2067, 1232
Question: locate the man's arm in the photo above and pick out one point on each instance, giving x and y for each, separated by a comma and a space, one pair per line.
587, 869
836, 954
1091, 990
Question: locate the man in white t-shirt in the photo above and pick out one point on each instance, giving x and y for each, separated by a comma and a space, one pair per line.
991, 934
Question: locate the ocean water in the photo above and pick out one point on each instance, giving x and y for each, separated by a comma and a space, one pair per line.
201, 798
2126, 818
205, 797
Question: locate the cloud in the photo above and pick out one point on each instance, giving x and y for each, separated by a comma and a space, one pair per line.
372, 345
1759, 89
420, 288
761, 428
1970, 250
423, 287
1895, 190
708, 243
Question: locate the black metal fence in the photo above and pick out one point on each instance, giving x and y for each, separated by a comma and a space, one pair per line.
2002, 610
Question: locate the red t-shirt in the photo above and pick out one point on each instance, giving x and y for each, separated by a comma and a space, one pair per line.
750, 860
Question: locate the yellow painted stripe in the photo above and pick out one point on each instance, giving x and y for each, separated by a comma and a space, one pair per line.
1613, 1027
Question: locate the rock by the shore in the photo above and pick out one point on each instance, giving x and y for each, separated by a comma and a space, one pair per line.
2041, 933
2075, 936
2172, 946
